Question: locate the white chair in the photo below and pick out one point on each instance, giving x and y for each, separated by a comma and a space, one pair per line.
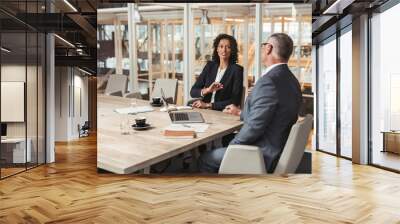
136, 95
242, 159
116, 83
169, 86
245, 159
295, 146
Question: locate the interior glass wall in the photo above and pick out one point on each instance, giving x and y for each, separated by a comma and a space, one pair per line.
159, 42
294, 20
327, 93
160, 39
22, 88
385, 89
235, 20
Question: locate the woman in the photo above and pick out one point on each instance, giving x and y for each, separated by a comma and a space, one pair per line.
221, 81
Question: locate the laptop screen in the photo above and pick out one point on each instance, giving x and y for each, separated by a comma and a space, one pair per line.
163, 97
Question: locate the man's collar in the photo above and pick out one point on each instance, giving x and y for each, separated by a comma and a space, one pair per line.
271, 67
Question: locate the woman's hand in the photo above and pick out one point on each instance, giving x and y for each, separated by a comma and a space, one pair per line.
215, 86
201, 104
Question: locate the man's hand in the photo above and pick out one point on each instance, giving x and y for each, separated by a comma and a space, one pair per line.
232, 109
201, 104
215, 86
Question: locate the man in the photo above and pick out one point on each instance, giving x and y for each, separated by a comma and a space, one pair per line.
270, 110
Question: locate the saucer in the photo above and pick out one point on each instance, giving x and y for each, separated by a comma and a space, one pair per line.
156, 105
146, 126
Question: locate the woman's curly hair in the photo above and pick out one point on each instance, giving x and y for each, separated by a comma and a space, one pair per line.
234, 48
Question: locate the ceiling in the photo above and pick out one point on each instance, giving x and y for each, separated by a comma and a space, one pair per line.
73, 20
330, 15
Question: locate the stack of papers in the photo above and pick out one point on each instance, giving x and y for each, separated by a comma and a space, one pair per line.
134, 110
174, 108
197, 127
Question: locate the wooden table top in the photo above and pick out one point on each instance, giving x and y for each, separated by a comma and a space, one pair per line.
140, 149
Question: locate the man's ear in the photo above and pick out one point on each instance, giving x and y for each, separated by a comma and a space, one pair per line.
269, 49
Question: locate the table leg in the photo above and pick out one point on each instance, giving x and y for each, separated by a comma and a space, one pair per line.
384, 143
146, 170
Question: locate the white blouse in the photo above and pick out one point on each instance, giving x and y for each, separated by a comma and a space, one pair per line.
220, 74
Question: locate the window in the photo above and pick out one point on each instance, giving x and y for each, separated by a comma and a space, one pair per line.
327, 96
346, 93
385, 89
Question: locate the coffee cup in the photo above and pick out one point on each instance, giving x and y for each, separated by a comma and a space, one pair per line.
140, 121
156, 100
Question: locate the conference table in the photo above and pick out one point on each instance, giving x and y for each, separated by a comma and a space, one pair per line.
123, 153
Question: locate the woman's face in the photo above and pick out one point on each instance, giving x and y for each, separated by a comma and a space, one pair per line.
224, 49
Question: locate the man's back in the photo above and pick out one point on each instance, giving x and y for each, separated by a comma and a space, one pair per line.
269, 113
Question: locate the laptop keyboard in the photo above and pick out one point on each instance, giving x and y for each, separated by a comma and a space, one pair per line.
181, 116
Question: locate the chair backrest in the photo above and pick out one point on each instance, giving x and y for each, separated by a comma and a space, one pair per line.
295, 146
86, 125
116, 93
116, 83
136, 95
242, 159
169, 86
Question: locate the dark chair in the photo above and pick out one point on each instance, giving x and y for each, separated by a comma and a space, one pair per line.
84, 130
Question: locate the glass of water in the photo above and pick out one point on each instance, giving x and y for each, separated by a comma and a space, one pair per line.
124, 125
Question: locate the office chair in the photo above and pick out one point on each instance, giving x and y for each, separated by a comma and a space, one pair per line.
246, 159
84, 130
170, 87
135, 95
116, 83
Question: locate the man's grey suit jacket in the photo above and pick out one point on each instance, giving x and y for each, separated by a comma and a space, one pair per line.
269, 113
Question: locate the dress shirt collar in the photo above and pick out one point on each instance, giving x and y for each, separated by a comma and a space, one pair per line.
271, 67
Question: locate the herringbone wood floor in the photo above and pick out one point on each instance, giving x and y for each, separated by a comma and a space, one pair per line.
70, 191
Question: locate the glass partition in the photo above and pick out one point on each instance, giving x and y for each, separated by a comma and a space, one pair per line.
31, 98
13, 95
22, 77
294, 20
235, 20
159, 45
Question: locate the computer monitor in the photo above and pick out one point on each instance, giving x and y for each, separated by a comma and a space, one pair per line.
3, 129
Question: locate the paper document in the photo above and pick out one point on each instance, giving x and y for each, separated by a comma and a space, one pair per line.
134, 110
198, 128
174, 108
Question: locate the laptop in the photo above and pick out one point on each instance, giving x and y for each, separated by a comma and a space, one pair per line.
181, 117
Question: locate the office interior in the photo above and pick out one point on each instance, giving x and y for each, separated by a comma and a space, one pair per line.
48, 82
162, 27
349, 78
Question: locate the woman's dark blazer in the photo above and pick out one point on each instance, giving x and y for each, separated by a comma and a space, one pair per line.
232, 81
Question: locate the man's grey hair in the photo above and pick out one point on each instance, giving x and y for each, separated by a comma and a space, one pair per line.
283, 45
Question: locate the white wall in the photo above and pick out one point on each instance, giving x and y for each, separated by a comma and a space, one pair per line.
70, 83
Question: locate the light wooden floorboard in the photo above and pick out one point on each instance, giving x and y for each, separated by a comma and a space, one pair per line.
71, 191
